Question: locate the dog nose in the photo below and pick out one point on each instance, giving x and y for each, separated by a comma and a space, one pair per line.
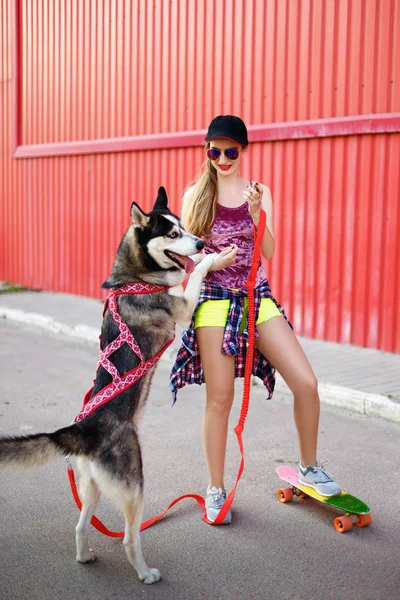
199, 245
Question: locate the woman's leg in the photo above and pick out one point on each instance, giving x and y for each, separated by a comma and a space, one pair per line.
280, 346
219, 373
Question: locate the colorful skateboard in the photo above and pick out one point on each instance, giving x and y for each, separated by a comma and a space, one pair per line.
355, 510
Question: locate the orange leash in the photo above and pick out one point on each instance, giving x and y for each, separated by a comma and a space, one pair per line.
250, 285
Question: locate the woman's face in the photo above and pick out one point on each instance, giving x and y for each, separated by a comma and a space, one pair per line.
226, 165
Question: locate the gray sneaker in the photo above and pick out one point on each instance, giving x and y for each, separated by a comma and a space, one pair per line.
319, 480
214, 501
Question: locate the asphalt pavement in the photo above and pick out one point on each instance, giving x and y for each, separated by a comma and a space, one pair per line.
270, 551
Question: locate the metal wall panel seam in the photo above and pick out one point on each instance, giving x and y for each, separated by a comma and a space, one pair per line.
318, 128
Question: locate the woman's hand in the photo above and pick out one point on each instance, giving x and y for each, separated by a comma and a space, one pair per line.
226, 258
253, 195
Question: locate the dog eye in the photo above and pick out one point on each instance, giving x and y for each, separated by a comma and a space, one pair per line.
173, 235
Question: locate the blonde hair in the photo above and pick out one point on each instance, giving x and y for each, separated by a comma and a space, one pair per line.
199, 208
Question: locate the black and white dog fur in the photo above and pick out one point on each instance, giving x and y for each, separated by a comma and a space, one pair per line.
154, 249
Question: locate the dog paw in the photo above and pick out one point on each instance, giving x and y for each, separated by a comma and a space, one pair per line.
151, 576
206, 262
197, 258
86, 557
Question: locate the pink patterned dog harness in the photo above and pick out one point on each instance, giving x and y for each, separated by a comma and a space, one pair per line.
120, 383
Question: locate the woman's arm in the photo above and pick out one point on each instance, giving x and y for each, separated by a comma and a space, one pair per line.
264, 202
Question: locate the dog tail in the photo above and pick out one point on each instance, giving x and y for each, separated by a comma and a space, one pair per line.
27, 452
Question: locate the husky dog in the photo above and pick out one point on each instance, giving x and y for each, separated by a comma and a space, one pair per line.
155, 249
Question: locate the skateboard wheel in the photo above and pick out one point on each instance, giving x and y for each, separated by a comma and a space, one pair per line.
364, 520
343, 524
302, 495
285, 495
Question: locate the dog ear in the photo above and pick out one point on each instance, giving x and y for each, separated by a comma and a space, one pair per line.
162, 199
139, 218
109, 284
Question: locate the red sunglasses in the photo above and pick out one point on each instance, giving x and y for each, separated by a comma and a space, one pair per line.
230, 153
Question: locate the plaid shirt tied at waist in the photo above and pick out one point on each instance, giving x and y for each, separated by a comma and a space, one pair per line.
188, 369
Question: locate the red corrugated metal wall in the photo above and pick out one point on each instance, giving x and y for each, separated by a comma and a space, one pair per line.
102, 101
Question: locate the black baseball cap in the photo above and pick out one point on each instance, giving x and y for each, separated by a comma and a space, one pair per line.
228, 127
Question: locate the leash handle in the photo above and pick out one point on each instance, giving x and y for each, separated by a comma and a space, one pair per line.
97, 524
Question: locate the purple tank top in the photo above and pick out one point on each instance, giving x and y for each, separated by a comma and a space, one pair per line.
233, 226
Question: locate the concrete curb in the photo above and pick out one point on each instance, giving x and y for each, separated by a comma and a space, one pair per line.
373, 405
364, 403
82, 332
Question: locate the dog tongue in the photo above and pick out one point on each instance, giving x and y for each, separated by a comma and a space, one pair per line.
189, 265
185, 260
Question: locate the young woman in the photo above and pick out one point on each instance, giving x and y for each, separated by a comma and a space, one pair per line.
223, 208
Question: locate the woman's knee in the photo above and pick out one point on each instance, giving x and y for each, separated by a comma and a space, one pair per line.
220, 401
306, 385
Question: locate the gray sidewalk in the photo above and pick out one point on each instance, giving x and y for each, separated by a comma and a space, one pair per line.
358, 379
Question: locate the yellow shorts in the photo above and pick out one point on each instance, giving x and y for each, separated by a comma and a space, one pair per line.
214, 313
